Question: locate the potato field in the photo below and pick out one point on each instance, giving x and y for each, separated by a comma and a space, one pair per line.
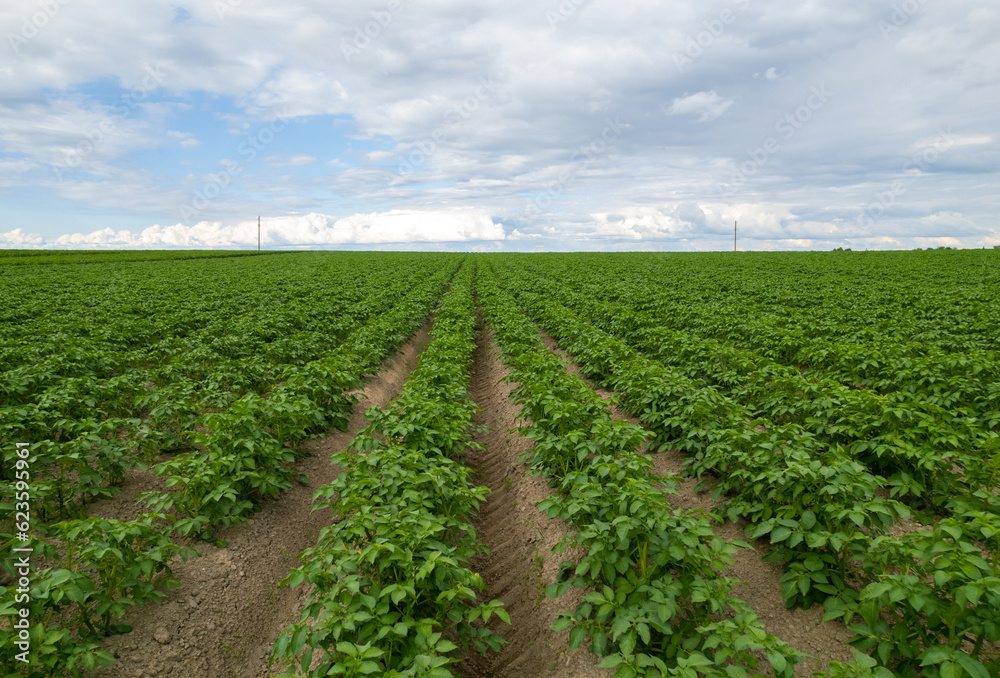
713, 465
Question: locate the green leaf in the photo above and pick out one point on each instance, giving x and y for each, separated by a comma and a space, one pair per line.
777, 660
562, 623
935, 655
698, 659
780, 534
971, 666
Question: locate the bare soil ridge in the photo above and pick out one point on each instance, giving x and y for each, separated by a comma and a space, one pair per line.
224, 618
804, 630
520, 539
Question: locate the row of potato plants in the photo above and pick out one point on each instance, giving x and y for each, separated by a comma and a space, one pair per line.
97, 323
927, 600
84, 577
244, 454
197, 386
91, 568
928, 453
735, 312
952, 374
14, 257
949, 379
391, 589
657, 600
88, 431
238, 343
877, 430
942, 300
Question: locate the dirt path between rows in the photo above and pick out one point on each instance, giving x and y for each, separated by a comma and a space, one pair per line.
804, 630
520, 539
223, 619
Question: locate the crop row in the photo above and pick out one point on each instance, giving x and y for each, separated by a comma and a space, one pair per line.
942, 300
84, 576
928, 453
883, 363
392, 593
923, 595
100, 568
88, 432
658, 602
36, 258
243, 454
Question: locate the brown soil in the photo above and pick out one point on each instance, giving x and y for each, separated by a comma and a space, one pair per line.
224, 618
520, 538
760, 582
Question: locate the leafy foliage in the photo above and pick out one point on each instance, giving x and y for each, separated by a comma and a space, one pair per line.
392, 590
655, 576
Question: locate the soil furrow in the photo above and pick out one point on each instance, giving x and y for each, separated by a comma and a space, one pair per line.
760, 582
223, 619
520, 539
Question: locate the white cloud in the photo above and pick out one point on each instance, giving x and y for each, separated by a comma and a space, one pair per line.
708, 105
17, 239
524, 100
396, 226
185, 139
299, 160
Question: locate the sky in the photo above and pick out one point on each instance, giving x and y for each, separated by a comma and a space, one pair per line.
549, 125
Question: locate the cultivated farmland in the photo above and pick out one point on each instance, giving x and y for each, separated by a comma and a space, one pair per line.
402, 464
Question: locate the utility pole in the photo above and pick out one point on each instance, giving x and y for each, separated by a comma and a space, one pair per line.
258, 233
734, 236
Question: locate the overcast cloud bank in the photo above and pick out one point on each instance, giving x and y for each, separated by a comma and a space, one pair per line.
572, 125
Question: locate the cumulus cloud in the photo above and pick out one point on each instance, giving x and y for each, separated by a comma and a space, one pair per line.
299, 160
185, 139
317, 230
466, 107
708, 105
17, 239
